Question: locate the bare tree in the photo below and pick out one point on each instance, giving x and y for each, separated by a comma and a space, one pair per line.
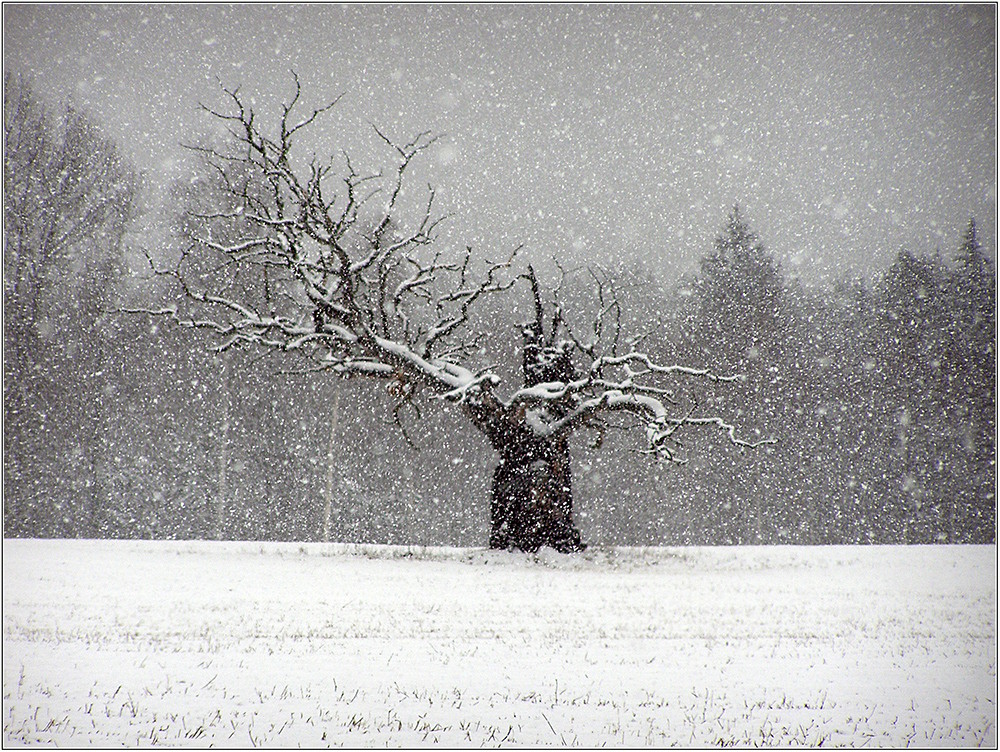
296, 258
68, 198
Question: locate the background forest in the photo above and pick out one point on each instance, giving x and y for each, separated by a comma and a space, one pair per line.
881, 393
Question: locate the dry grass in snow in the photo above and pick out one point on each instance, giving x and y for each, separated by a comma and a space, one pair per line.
234, 644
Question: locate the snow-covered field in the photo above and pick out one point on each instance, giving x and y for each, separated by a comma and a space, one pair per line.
236, 644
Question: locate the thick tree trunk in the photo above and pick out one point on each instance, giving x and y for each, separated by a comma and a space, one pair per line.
532, 502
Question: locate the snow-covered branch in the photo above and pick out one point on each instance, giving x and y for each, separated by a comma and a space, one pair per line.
292, 254
278, 258
557, 407
569, 384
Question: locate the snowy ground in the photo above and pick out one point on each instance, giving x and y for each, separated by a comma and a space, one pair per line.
194, 644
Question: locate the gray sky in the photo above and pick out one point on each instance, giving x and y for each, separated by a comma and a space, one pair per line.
845, 132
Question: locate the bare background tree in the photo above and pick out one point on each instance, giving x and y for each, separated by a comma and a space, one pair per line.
68, 198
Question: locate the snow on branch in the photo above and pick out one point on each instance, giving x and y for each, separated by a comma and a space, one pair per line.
277, 257
294, 255
558, 406
569, 384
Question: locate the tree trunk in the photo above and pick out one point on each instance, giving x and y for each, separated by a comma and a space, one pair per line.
330, 457
222, 466
532, 502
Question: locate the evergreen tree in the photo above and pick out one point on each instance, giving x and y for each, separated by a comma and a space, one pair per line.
736, 321
739, 296
972, 379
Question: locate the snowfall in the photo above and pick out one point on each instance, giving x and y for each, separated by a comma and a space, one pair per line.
111, 643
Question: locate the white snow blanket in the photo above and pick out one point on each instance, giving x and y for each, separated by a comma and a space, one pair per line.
235, 644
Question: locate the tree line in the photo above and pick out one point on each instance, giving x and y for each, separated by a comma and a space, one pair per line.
880, 394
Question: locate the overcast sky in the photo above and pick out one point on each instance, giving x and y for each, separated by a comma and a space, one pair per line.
845, 132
